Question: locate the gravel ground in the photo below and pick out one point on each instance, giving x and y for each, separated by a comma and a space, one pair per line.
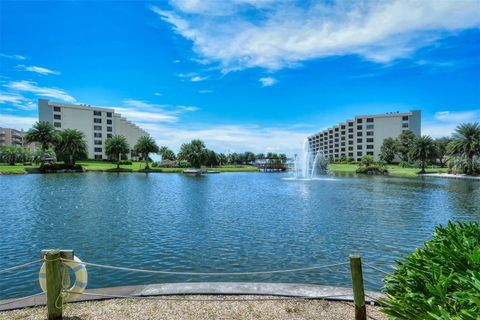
160, 309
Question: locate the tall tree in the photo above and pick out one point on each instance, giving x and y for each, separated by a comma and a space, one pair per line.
405, 143
466, 142
146, 145
167, 154
211, 158
10, 154
115, 147
283, 157
43, 133
70, 146
222, 159
193, 152
441, 145
388, 150
260, 156
423, 149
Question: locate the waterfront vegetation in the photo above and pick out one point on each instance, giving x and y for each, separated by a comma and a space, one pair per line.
440, 280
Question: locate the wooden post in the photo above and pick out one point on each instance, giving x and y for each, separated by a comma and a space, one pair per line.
53, 267
357, 284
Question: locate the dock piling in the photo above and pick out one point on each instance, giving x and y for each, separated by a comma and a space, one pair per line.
357, 284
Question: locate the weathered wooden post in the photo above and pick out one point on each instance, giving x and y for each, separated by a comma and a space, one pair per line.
54, 277
357, 284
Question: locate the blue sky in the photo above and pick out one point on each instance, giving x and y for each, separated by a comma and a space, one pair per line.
244, 74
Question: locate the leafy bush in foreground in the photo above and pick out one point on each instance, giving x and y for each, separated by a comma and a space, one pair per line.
440, 281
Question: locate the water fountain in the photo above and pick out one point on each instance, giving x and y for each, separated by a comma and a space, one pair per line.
309, 165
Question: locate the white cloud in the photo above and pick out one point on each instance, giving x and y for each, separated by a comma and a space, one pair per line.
205, 91
32, 87
39, 70
194, 77
13, 56
17, 100
285, 33
230, 137
189, 108
445, 122
17, 122
267, 81
158, 94
145, 116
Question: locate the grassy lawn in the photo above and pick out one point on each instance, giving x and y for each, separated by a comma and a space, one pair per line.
16, 169
393, 170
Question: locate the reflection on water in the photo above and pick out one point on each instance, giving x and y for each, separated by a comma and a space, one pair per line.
227, 222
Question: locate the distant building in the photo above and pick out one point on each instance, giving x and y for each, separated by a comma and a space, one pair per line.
98, 124
364, 134
14, 137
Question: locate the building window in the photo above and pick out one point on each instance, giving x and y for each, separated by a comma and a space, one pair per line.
97, 120
109, 129
405, 118
342, 144
336, 129
342, 138
369, 146
57, 117
336, 150
109, 135
350, 142
370, 153
97, 135
109, 114
350, 148
350, 124
97, 113
369, 139
98, 142
97, 127
109, 121
405, 125
350, 130
350, 136
342, 133
336, 145
98, 156
342, 149
57, 109
336, 134
343, 127
359, 120
98, 149
369, 133
359, 134
350, 154
359, 153
370, 120
359, 147
359, 127
359, 140
369, 126
57, 124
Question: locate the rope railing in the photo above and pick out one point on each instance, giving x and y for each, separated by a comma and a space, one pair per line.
10, 301
20, 266
208, 273
163, 298
376, 269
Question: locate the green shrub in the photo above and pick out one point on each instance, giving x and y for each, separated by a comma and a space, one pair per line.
125, 163
406, 164
184, 164
440, 280
54, 167
372, 169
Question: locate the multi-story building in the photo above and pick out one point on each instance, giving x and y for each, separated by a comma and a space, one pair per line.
14, 137
364, 134
98, 124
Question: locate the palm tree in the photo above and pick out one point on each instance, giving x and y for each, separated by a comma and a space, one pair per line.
193, 152
441, 144
422, 149
10, 154
115, 147
146, 145
466, 142
167, 154
44, 133
71, 146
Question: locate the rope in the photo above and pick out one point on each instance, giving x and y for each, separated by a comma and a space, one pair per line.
210, 300
20, 266
207, 273
375, 268
22, 298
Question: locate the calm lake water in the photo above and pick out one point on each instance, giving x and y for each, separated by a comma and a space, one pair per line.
228, 222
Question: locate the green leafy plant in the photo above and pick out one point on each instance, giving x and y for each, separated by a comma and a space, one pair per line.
440, 280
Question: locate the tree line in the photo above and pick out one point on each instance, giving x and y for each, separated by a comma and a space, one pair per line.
460, 152
69, 146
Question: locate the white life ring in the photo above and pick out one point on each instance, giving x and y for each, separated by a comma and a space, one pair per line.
81, 279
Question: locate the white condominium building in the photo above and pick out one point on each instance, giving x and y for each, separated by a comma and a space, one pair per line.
364, 134
98, 124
